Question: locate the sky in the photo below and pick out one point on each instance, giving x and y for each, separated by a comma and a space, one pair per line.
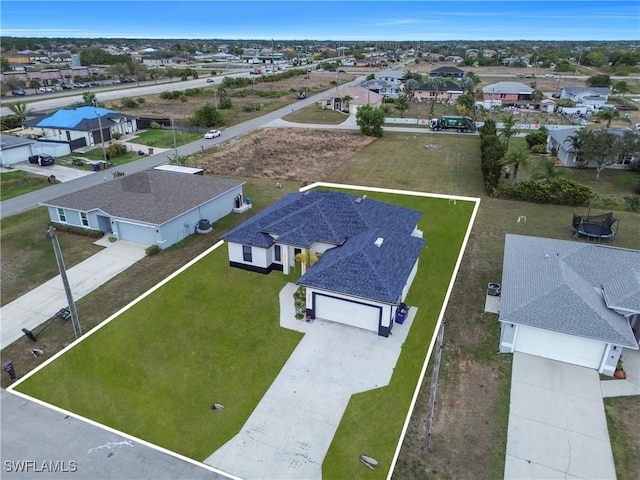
425, 20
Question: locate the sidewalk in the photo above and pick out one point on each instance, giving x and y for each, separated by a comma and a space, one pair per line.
42, 303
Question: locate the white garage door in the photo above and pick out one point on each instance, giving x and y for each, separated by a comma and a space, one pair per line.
557, 346
350, 313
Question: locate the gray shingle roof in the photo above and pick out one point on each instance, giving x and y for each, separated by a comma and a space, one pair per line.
570, 287
151, 196
561, 135
508, 87
580, 90
11, 141
361, 268
447, 86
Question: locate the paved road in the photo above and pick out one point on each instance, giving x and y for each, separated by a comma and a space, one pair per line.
32, 199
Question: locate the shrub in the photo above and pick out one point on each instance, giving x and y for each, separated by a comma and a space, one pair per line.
117, 136
155, 125
633, 203
183, 98
539, 148
116, 149
609, 202
152, 250
140, 100
112, 238
63, 227
252, 107
129, 103
560, 192
172, 95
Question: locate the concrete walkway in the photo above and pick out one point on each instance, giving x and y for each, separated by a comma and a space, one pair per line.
615, 387
42, 303
289, 433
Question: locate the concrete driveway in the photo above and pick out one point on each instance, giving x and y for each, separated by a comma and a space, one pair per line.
288, 434
62, 173
42, 303
557, 425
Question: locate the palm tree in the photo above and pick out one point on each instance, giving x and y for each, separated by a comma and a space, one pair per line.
546, 170
577, 142
508, 130
436, 82
20, 110
345, 102
607, 114
307, 259
516, 157
401, 104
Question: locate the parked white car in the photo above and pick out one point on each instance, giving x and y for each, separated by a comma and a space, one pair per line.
549, 75
212, 134
46, 89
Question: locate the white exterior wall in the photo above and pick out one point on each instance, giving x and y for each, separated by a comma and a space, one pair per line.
61, 135
407, 285
14, 155
260, 255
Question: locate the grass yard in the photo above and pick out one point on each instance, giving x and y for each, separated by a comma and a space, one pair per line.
212, 324
161, 138
625, 439
314, 114
96, 155
16, 183
27, 253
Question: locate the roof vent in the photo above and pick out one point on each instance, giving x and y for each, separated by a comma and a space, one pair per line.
378, 242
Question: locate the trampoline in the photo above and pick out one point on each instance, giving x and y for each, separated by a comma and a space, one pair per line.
595, 227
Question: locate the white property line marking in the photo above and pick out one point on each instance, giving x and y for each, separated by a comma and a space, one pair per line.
475, 200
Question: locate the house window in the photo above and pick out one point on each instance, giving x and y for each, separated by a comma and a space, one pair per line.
84, 219
503, 95
277, 251
61, 216
246, 254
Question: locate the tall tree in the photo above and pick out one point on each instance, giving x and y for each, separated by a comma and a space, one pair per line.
370, 120
600, 149
607, 114
401, 104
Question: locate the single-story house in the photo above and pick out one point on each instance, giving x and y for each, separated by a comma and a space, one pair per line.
383, 87
17, 148
368, 252
84, 126
357, 96
448, 91
586, 95
574, 302
453, 59
152, 207
559, 141
449, 72
393, 76
507, 93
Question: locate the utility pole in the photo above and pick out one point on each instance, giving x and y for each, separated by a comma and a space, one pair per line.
65, 281
104, 152
175, 143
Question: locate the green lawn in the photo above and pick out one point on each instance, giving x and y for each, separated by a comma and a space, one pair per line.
96, 155
212, 335
314, 114
161, 138
16, 183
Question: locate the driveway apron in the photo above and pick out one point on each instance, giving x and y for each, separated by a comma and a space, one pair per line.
288, 434
557, 425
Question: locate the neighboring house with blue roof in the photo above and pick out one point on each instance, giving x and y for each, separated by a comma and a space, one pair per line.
368, 251
84, 126
569, 301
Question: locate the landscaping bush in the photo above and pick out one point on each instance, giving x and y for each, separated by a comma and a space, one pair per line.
171, 95
193, 92
155, 125
633, 203
140, 100
152, 250
538, 137
86, 232
116, 149
609, 202
559, 192
128, 103
539, 148
207, 116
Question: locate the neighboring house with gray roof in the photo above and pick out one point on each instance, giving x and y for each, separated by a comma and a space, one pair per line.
449, 72
368, 252
569, 301
152, 207
507, 93
433, 91
15, 149
384, 88
586, 95
84, 126
393, 76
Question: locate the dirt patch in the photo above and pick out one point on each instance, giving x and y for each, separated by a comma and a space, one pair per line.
285, 154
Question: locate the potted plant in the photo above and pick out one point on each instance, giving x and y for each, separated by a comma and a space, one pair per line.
619, 373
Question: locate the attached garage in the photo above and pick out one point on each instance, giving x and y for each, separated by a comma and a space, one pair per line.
136, 232
557, 346
347, 311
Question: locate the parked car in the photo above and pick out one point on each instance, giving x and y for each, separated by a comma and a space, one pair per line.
18, 91
66, 86
212, 134
549, 75
46, 89
210, 80
42, 160
80, 85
